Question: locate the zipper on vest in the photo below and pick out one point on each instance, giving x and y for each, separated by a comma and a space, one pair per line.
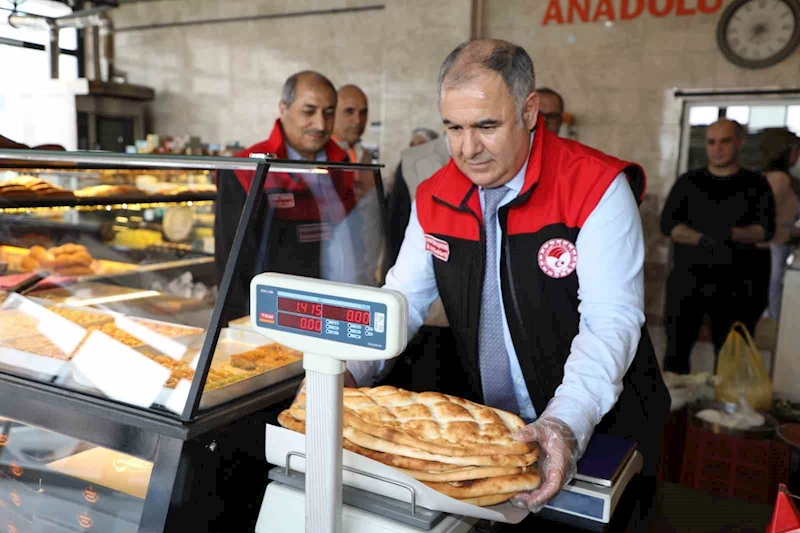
506, 247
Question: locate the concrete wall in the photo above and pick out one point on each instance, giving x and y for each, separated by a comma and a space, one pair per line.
223, 81
618, 79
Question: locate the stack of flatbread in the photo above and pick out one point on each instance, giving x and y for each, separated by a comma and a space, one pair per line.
459, 448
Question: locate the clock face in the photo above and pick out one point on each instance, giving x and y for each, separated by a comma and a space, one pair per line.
759, 33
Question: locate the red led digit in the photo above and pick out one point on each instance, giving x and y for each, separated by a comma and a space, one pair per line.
299, 306
300, 322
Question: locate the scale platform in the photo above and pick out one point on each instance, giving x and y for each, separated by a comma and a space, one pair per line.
582, 504
283, 510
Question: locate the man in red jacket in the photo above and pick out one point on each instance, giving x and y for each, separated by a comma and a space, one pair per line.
535, 245
299, 210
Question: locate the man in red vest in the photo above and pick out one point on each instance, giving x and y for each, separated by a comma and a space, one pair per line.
535, 245
301, 211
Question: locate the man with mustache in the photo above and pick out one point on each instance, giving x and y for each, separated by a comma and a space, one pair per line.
535, 245
300, 227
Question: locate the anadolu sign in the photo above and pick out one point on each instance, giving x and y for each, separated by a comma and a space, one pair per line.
572, 11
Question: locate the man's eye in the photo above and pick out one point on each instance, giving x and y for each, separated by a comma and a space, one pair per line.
487, 129
454, 128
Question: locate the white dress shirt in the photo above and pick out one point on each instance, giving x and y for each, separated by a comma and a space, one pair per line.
610, 249
343, 256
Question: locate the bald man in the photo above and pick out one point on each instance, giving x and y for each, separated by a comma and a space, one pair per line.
715, 217
352, 111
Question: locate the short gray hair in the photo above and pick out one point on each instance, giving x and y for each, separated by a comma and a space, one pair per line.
512, 62
425, 132
289, 92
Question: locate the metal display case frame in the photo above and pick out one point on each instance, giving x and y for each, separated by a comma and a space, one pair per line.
189, 451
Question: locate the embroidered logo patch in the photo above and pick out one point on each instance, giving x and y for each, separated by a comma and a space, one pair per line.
437, 247
558, 258
281, 201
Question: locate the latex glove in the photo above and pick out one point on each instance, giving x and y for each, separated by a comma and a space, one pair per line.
558, 445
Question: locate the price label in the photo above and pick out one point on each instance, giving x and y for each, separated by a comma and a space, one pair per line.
120, 372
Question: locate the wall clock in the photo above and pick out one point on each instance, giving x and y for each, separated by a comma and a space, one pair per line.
759, 33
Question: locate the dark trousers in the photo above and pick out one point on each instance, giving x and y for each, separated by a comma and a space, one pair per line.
718, 292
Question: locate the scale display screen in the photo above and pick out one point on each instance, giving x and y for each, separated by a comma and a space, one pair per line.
346, 320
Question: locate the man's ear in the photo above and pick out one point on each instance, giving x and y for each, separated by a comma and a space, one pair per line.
530, 111
283, 109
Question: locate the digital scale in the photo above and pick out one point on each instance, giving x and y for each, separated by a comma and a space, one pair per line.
335, 322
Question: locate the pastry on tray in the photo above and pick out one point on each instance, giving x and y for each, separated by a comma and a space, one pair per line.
36, 344
66, 260
169, 330
265, 357
460, 448
82, 318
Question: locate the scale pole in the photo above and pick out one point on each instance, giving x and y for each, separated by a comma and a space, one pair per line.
324, 404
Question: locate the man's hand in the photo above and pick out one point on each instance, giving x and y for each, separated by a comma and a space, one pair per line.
559, 446
720, 251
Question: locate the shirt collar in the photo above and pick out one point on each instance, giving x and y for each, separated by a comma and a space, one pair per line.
292, 154
518, 180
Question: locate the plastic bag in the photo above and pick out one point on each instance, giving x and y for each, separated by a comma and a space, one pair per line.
742, 372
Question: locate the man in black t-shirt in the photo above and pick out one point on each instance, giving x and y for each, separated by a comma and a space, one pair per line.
715, 216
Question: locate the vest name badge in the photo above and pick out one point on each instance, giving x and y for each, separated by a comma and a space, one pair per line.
437, 247
558, 258
281, 201
314, 232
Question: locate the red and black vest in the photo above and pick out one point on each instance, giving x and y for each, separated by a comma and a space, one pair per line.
293, 221
563, 184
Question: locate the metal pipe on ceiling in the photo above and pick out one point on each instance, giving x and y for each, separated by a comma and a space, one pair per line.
270, 16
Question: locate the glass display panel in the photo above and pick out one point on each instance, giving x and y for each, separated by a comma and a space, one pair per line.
54, 483
111, 278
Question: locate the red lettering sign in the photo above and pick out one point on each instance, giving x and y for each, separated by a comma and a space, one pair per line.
652, 7
572, 11
682, 10
709, 6
604, 9
553, 13
580, 8
626, 14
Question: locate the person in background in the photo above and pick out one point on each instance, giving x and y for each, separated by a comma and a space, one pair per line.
527, 342
780, 150
551, 106
421, 136
352, 110
715, 217
293, 231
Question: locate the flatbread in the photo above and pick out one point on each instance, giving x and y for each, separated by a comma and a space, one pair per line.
488, 501
476, 488
380, 445
429, 421
286, 420
463, 474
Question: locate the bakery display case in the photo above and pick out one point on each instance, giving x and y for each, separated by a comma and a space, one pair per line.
128, 402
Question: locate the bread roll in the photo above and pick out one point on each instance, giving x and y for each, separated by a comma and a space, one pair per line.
29, 264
